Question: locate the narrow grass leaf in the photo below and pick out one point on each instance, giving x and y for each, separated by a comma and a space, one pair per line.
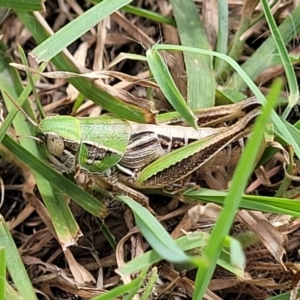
250, 202
75, 29
223, 30
193, 241
14, 263
164, 79
150, 15
152, 278
134, 285
285, 59
145, 261
154, 232
199, 67
293, 129
265, 53
28, 5
2, 272
237, 43
11, 293
240, 177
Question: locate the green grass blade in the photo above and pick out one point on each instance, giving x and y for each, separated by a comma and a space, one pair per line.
240, 178
163, 77
14, 263
154, 232
293, 129
199, 69
260, 203
194, 241
28, 5
134, 285
286, 62
150, 15
237, 44
223, 30
266, 52
2, 272
31, 82
75, 29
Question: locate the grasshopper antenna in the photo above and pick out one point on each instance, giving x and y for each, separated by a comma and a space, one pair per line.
29, 119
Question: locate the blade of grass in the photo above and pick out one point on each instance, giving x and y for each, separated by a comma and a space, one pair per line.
250, 202
193, 241
223, 30
75, 29
286, 62
154, 233
31, 83
163, 77
2, 273
240, 178
14, 263
28, 5
264, 54
238, 44
11, 293
150, 15
199, 69
134, 285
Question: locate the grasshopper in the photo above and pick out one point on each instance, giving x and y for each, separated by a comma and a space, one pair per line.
114, 152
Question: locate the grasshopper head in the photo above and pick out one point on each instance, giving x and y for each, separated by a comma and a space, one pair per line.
60, 140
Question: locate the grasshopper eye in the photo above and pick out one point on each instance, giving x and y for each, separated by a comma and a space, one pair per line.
55, 144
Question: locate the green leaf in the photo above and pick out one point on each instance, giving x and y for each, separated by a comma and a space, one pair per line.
164, 79
265, 53
14, 263
199, 68
28, 5
2, 273
286, 62
154, 232
75, 29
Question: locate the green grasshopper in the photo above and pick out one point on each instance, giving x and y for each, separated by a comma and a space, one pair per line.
115, 152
